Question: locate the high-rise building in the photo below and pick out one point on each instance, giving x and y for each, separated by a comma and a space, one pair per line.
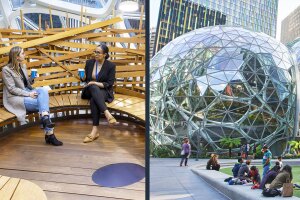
290, 27
178, 17
152, 41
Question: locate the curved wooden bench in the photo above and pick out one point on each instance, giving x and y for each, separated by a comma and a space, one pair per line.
19, 189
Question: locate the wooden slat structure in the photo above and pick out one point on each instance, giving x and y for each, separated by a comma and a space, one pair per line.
58, 53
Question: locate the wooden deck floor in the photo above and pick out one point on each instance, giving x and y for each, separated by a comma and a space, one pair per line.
65, 172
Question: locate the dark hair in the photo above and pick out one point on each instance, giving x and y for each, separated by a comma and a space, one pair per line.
275, 168
265, 147
248, 162
104, 49
277, 163
253, 168
288, 169
279, 157
240, 159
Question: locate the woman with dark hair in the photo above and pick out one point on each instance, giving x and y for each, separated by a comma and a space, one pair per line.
100, 77
213, 163
285, 176
19, 96
270, 176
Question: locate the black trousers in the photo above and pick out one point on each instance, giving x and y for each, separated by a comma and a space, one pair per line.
97, 102
184, 158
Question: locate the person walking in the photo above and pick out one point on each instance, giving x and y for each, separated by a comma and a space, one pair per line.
266, 161
185, 152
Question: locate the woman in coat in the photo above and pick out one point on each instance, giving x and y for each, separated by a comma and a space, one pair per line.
19, 96
100, 77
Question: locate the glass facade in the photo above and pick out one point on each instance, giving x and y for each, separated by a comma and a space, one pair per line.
256, 15
221, 81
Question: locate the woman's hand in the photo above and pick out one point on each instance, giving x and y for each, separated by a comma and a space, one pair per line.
92, 83
33, 94
99, 84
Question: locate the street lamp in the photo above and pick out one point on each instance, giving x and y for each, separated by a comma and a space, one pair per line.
129, 5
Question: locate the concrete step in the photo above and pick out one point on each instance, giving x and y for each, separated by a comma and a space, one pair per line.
235, 192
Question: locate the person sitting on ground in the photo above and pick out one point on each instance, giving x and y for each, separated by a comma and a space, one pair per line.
213, 163
280, 162
285, 176
236, 167
255, 177
243, 172
270, 176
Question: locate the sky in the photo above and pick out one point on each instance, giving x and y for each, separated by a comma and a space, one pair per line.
285, 7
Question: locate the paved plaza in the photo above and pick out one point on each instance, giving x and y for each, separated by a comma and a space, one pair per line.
169, 181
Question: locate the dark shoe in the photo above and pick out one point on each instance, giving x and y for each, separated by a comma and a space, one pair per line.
46, 122
51, 139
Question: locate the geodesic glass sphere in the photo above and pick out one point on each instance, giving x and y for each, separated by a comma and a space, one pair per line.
295, 47
221, 81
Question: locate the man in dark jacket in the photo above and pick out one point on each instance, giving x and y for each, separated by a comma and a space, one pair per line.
243, 173
236, 167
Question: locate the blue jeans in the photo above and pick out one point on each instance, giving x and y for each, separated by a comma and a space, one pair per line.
40, 104
265, 170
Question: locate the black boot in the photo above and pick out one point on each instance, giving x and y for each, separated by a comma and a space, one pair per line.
51, 139
46, 122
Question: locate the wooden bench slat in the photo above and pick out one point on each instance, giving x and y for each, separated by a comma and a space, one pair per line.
3, 181
28, 190
8, 189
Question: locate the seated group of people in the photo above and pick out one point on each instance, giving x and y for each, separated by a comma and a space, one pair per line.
19, 96
274, 178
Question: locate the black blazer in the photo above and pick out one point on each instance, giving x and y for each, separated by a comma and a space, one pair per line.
106, 76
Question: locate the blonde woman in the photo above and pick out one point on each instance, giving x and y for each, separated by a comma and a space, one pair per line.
19, 96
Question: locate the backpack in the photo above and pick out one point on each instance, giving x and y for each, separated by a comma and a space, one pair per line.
271, 192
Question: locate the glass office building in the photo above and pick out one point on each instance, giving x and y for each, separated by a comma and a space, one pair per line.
178, 17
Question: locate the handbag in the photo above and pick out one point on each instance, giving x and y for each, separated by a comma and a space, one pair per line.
270, 192
182, 152
287, 190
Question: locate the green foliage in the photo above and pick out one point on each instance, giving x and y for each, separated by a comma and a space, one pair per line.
258, 153
230, 142
164, 152
295, 146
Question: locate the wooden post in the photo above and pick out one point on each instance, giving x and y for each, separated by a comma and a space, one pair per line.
22, 20
51, 22
141, 24
90, 20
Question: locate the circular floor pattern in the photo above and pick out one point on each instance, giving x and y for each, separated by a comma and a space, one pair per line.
119, 174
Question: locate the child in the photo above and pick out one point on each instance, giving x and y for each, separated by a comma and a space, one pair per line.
255, 177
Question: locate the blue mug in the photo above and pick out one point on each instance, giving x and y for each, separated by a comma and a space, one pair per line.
33, 73
81, 73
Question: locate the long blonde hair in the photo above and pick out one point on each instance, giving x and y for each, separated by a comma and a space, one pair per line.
13, 61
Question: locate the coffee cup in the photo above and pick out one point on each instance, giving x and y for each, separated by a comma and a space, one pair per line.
81, 73
33, 73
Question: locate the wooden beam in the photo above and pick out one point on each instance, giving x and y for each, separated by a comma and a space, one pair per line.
51, 21
22, 20
62, 35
